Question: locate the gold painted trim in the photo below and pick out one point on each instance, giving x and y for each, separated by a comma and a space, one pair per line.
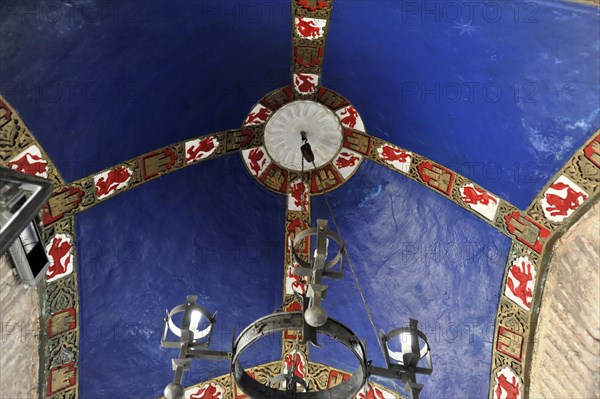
586, 2
61, 295
319, 379
147, 167
304, 216
16, 137
319, 45
510, 317
456, 182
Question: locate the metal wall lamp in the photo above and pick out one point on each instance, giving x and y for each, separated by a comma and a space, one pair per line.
194, 336
21, 198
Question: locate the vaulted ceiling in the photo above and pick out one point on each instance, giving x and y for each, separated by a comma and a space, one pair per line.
502, 93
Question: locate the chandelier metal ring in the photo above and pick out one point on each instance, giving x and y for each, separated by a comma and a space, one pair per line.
312, 231
278, 322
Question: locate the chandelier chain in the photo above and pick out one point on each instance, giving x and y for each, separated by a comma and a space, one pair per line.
358, 285
360, 290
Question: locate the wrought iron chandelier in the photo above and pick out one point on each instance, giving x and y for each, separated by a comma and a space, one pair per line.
194, 333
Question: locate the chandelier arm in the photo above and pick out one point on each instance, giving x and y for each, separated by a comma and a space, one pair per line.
195, 353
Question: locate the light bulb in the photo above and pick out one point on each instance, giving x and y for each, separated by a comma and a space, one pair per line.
195, 320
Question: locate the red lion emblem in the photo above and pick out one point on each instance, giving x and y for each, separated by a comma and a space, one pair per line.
511, 388
29, 164
204, 146
523, 275
115, 177
297, 191
305, 83
60, 254
295, 227
372, 393
391, 154
342, 162
299, 283
255, 156
474, 195
308, 29
352, 117
208, 392
295, 360
558, 206
294, 307
312, 5
258, 117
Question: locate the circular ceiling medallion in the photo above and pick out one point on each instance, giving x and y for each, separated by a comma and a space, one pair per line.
333, 128
283, 134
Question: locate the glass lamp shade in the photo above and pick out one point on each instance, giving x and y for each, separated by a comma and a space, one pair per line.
191, 321
413, 346
407, 340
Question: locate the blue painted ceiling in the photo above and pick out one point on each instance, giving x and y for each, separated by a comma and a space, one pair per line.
502, 92
194, 233
414, 254
502, 98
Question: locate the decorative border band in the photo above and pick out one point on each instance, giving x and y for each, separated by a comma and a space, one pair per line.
560, 203
568, 195
321, 377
